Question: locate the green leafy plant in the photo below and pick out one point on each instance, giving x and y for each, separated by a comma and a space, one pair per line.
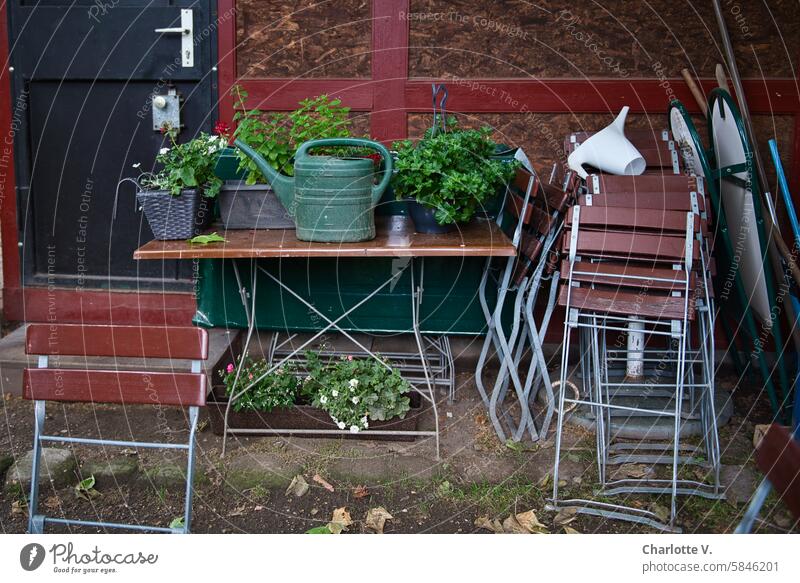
277, 135
452, 172
276, 390
206, 239
187, 165
355, 391
85, 489
177, 523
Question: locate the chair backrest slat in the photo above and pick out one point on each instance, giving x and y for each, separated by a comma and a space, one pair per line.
633, 219
668, 201
658, 183
632, 246
121, 341
105, 386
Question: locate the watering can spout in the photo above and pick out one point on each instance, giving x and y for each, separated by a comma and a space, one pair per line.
282, 185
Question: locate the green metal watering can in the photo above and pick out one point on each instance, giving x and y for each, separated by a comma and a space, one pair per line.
332, 199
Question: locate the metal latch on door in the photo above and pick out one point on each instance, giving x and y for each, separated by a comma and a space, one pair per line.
186, 30
167, 110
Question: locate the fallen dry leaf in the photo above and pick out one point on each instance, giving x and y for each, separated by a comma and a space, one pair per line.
238, 511
376, 519
570, 530
512, 526
565, 516
661, 512
52, 502
342, 518
323, 482
360, 492
298, 486
758, 434
545, 481
487, 524
530, 522
634, 471
335, 527
18, 507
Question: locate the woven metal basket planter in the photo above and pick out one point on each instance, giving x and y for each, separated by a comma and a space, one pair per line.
176, 217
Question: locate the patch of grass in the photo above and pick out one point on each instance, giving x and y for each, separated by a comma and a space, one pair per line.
494, 498
259, 493
161, 494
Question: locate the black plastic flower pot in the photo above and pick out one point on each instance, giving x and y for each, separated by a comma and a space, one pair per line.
425, 219
176, 217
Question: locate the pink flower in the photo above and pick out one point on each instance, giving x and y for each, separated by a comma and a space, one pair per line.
229, 368
251, 376
349, 357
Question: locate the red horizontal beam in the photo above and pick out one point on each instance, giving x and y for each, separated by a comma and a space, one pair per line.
774, 96
40, 304
284, 94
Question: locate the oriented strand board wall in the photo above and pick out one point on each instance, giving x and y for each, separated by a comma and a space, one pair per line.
305, 38
603, 38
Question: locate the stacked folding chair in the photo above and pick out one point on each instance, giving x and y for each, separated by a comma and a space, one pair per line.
536, 210
635, 285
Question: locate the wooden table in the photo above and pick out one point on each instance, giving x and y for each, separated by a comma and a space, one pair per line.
395, 238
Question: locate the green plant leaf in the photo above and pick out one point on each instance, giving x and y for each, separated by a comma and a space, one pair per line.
319, 530
206, 239
177, 522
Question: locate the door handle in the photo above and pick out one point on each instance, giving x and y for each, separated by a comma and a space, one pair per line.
176, 30
186, 30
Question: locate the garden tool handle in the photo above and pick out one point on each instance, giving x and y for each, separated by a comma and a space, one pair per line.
697, 93
377, 191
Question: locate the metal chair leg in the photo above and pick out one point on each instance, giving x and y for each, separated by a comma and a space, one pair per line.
35, 524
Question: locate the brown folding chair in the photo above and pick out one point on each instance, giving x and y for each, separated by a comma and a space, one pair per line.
125, 387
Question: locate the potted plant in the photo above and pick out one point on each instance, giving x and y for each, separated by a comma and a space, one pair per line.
177, 200
448, 176
346, 394
247, 201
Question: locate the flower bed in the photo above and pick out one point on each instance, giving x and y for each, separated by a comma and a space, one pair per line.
299, 417
347, 394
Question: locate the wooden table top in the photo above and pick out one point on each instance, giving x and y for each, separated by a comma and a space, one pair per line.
395, 238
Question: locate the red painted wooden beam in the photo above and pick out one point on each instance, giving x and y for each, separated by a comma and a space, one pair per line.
389, 69
284, 94
775, 96
226, 57
8, 192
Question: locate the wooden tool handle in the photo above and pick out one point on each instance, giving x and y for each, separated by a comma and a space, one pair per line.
722, 78
697, 93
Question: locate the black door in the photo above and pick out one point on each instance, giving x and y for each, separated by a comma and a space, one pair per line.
84, 73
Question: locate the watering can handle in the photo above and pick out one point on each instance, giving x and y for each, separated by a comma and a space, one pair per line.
377, 191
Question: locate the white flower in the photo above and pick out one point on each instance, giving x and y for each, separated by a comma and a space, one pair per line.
323, 399
212, 149
353, 383
335, 393
342, 424
308, 378
163, 151
136, 165
354, 429
364, 422
355, 400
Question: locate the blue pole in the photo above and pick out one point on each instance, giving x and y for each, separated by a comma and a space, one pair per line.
787, 201
784, 188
